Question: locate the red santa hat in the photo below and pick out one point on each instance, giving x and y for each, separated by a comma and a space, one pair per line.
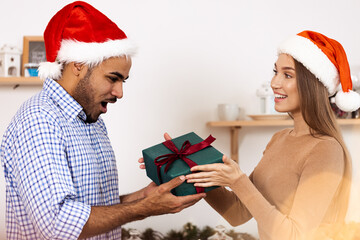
326, 59
80, 33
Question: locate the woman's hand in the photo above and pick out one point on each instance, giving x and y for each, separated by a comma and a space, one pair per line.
142, 164
216, 174
141, 160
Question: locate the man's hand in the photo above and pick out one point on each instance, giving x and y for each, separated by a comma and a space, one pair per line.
149, 201
161, 201
149, 189
160, 198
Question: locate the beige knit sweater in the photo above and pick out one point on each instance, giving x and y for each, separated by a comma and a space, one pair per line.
292, 191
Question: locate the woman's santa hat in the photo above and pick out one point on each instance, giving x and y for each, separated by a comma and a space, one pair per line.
327, 60
80, 33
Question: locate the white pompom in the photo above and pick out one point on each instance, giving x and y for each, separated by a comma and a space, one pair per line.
347, 101
50, 70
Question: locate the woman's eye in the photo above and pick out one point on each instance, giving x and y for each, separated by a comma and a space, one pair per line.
288, 75
275, 72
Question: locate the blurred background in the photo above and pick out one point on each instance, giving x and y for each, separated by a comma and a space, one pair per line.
193, 55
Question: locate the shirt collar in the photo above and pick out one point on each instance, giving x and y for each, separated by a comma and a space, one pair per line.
64, 100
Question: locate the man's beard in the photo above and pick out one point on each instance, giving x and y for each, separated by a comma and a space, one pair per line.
83, 95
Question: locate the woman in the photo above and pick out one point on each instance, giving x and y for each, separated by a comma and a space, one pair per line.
301, 185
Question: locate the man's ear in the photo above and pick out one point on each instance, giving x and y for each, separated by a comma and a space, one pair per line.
78, 69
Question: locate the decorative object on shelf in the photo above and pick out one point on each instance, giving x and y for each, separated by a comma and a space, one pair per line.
355, 77
31, 69
356, 114
338, 112
33, 51
9, 61
266, 95
230, 112
220, 234
188, 232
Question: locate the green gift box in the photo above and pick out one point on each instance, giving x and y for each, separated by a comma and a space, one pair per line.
178, 166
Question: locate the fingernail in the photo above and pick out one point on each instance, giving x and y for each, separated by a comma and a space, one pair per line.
182, 178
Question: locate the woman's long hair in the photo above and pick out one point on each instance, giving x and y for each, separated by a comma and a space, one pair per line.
319, 116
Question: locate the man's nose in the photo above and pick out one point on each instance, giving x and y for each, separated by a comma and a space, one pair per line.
117, 90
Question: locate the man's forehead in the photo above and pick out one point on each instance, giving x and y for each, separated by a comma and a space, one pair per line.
116, 62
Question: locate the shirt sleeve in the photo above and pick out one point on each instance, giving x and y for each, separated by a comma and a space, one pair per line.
320, 178
44, 179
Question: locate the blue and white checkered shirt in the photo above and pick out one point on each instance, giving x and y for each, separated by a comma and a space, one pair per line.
56, 167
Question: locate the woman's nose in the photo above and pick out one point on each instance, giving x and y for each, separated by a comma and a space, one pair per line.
275, 82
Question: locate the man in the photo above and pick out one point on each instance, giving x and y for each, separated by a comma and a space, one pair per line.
59, 165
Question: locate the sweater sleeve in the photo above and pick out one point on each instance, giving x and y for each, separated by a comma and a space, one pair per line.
228, 205
320, 178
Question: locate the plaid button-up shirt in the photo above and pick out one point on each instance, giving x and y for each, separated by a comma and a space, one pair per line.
56, 167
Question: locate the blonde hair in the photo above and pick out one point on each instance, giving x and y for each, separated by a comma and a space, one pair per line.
319, 116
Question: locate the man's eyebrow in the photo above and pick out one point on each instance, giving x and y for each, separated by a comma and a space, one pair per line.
119, 75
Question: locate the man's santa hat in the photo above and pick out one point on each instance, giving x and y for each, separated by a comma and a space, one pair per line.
326, 59
80, 33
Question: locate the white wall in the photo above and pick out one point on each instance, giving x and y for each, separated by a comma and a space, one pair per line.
192, 56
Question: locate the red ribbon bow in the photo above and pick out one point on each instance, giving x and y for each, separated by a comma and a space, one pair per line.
185, 150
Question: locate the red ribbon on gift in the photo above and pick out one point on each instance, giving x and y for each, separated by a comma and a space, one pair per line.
185, 150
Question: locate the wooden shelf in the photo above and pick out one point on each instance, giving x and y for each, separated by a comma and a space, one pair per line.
235, 127
259, 123
16, 81
250, 123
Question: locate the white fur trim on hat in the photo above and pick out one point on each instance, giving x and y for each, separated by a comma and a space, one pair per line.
347, 101
94, 53
311, 56
50, 70
90, 54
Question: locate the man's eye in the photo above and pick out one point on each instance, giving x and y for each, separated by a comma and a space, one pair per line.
114, 79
